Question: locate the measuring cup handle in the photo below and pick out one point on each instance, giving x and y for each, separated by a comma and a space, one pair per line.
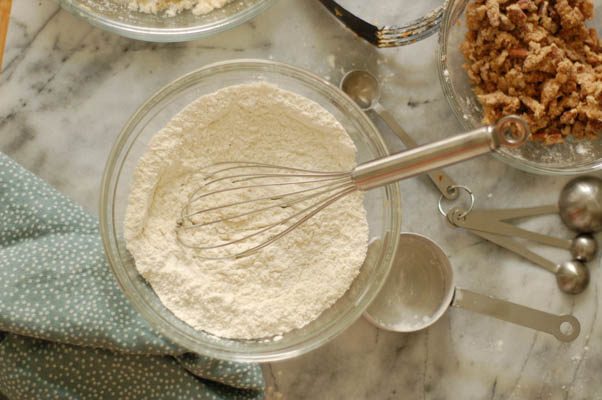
564, 327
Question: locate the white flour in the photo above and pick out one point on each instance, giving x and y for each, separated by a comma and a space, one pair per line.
286, 285
170, 8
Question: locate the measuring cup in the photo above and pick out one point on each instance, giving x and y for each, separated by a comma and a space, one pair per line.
420, 289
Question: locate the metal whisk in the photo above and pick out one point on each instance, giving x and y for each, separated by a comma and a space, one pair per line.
244, 207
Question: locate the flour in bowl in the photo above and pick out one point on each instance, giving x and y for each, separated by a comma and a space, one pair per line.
169, 8
289, 283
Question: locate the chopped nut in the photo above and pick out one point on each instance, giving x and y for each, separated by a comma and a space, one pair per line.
549, 91
500, 102
587, 9
506, 24
537, 58
523, 4
569, 17
527, 5
534, 105
535, 34
516, 15
543, 59
518, 52
493, 12
569, 117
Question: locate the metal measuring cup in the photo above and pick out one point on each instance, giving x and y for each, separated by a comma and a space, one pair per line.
420, 289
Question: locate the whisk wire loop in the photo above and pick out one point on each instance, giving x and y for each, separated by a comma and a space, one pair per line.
251, 205
327, 188
194, 198
244, 164
306, 213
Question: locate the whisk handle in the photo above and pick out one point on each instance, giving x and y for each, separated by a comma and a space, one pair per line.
510, 131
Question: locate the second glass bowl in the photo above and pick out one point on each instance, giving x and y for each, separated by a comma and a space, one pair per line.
116, 18
569, 158
382, 205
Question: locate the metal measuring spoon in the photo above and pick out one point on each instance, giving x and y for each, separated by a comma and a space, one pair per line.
580, 204
420, 289
580, 208
363, 88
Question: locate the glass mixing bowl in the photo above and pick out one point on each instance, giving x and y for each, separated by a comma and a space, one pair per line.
382, 205
115, 17
569, 158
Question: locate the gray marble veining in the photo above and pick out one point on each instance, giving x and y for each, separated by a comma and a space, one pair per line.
67, 88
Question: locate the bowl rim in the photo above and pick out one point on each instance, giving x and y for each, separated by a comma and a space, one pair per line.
165, 35
448, 20
109, 184
420, 28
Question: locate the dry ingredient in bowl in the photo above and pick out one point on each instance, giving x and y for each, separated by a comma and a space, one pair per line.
286, 285
170, 8
537, 58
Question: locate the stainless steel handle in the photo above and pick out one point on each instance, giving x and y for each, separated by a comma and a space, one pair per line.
563, 327
519, 249
492, 221
439, 178
510, 131
424, 158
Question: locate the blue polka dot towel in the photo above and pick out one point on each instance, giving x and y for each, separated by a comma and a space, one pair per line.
67, 331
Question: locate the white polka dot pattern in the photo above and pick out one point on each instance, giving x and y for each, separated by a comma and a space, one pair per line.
55, 286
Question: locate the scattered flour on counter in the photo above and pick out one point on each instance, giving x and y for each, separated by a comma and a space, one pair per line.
286, 285
170, 8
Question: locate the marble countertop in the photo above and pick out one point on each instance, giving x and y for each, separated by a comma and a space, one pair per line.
67, 88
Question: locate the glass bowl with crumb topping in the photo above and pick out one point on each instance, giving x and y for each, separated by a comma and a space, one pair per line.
114, 16
383, 206
568, 158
